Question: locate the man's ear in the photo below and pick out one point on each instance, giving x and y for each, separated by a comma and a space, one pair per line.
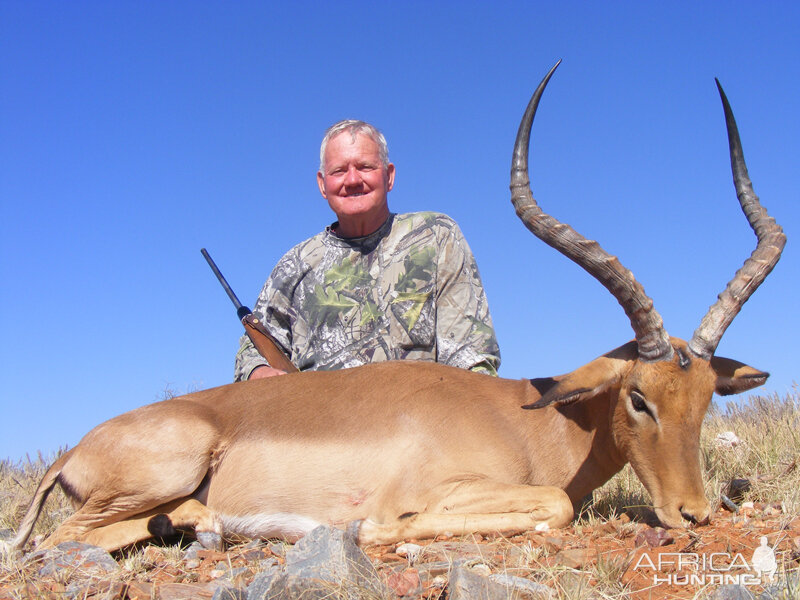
734, 377
585, 382
390, 171
321, 184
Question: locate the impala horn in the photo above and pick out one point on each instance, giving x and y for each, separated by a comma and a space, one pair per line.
651, 337
755, 269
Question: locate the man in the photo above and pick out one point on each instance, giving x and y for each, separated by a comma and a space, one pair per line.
375, 285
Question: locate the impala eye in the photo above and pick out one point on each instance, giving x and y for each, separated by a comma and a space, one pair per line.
638, 402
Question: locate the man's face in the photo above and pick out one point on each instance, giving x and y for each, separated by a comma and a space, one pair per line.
355, 184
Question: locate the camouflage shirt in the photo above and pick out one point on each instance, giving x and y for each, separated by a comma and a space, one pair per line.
410, 291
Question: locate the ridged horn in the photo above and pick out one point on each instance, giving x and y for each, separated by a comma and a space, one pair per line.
651, 337
755, 269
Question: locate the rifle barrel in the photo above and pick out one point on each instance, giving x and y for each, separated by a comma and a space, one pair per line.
241, 310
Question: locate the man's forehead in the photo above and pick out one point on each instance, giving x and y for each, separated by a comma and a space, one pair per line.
347, 142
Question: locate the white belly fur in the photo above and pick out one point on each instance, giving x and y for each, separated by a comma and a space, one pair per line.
286, 526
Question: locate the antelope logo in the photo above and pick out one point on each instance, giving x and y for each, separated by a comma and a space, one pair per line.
402, 449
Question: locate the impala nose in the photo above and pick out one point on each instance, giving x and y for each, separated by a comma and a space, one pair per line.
699, 515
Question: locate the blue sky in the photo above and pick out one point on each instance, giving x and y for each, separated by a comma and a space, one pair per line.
135, 133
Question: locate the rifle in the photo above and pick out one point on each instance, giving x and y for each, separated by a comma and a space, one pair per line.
262, 340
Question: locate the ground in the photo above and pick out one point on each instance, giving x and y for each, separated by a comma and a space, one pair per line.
615, 558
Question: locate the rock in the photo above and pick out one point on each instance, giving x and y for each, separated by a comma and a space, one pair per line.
81, 559
191, 551
654, 537
432, 570
325, 563
728, 504
153, 554
262, 583
737, 488
329, 554
731, 592
107, 590
140, 590
229, 593
405, 582
481, 569
576, 558
453, 551
466, 585
409, 551
267, 564
605, 528
212, 555
553, 544
526, 586
253, 554
187, 591
230, 576
727, 439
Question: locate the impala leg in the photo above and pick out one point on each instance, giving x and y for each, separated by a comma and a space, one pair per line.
134, 465
476, 506
162, 521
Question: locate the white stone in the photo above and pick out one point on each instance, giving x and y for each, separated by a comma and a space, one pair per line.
409, 551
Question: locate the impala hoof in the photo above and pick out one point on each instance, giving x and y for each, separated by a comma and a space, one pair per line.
209, 540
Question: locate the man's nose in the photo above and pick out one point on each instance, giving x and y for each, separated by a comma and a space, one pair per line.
352, 177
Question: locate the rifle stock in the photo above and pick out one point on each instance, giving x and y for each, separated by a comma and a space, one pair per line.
255, 330
266, 344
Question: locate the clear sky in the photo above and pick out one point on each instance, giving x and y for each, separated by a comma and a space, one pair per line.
134, 133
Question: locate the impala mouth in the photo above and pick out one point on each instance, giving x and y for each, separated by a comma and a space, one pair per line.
683, 517
695, 520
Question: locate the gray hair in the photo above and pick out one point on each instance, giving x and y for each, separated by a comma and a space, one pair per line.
354, 128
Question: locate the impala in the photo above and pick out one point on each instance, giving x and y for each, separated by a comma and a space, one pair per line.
407, 449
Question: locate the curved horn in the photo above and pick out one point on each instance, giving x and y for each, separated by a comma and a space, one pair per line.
648, 327
771, 241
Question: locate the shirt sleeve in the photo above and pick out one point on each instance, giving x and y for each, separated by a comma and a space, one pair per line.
464, 330
273, 309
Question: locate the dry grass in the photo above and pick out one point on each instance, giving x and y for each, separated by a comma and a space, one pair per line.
18, 482
769, 452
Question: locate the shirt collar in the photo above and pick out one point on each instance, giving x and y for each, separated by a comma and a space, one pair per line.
363, 244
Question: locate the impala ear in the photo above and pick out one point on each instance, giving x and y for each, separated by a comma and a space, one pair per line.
585, 382
734, 377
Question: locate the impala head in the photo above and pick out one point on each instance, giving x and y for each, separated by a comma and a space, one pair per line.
657, 415
658, 387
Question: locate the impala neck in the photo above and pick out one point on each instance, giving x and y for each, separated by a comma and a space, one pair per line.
580, 436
